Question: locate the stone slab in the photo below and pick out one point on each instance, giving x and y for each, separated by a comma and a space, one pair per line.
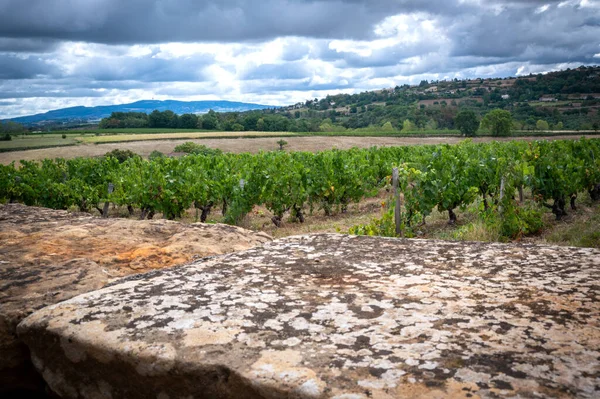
48, 256
335, 316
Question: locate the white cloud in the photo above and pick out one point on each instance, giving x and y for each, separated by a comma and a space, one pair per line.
542, 9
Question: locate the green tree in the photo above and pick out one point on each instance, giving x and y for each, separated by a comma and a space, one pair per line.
171, 118
237, 127
408, 126
387, 127
210, 121
466, 121
282, 143
157, 119
559, 126
542, 125
498, 121
11, 127
188, 121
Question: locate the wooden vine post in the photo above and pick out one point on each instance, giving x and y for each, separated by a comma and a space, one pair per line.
111, 188
501, 208
397, 208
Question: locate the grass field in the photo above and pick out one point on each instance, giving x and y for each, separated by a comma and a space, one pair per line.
97, 131
32, 142
550, 103
179, 136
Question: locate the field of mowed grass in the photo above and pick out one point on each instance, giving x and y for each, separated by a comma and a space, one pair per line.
119, 138
32, 142
142, 130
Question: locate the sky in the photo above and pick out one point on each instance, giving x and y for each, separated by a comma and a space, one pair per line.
62, 53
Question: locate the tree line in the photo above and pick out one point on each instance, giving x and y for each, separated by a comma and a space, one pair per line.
9, 129
498, 122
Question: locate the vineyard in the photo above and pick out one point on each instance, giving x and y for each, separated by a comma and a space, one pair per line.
445, 177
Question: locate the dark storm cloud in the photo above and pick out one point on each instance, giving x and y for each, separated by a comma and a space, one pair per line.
509, 33
145, 69
10, 45
290, 70
13, 67
70, 93
156, 21
384, 57
138, 21
68, 87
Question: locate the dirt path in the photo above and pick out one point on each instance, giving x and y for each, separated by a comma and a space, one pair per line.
315, 143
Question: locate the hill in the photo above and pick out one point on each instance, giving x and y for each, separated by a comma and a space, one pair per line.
95, 114
568, 99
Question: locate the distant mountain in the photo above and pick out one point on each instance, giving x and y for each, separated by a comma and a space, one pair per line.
94, 114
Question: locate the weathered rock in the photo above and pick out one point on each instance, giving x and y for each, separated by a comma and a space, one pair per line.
48, 256
120, 246
335, 316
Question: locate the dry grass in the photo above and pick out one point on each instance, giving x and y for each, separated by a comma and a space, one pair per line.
118, 138
580, 228
33, 142
316, 222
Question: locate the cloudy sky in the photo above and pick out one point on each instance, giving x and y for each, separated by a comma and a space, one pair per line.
59, 53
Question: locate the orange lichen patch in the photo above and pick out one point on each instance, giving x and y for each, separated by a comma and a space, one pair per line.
41, 236
124, 256
450, 389
151, 257
106, 252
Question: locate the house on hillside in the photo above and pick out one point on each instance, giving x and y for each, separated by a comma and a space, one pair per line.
432, 89
547, 99
505, 96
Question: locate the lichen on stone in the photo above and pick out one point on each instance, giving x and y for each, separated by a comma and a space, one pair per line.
338, 316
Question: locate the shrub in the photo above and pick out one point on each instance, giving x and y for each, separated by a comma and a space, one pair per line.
121, 155
193, 148
64, 136
155, 155
513, 224
5, 137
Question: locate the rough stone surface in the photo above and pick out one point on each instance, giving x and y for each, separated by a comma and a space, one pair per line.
49, 256
338, 317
